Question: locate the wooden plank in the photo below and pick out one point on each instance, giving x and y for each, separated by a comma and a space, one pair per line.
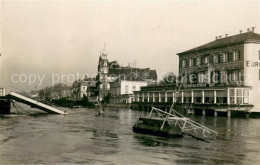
35, 103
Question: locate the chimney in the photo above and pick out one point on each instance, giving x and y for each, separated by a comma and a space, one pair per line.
248, 29
226, 35
220, 37
216, 37
241, 31
253, 29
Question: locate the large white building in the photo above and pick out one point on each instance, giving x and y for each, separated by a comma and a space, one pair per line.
220, 76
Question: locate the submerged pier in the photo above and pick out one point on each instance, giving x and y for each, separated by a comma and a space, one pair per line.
31, 102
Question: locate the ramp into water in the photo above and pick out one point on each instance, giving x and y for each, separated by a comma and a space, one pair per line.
35, 103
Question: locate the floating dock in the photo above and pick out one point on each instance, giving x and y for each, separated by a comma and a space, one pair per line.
34, 103
172, 123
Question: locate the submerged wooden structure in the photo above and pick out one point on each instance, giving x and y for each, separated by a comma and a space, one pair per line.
172, 124
31, 102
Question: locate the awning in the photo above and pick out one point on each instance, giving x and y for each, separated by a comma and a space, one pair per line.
197, 93
221, 93
209, 93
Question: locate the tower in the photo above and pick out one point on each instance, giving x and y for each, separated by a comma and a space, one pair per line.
102, 77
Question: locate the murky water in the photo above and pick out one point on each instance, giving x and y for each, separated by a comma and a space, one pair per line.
84, 137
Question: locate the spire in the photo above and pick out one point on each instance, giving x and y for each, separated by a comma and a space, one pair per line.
103, 53
104, 49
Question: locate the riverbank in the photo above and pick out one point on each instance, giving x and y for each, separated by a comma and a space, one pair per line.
64, 102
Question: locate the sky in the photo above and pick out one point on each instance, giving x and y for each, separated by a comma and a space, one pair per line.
45, 40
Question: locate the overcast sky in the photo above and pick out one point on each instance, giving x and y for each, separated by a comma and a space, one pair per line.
58, 37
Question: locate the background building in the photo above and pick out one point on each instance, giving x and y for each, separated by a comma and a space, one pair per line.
122, 92
112, 73
86, 87
2, 91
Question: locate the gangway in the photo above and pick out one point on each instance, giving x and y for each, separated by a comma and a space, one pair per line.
186, 125
34, 103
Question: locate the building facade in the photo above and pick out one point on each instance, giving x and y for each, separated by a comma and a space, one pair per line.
223, 75
103, 84
122, 92
86, 87
112, 73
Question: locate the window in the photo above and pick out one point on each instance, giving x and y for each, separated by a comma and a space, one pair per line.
134, 88
183, 63
187, 62
202, 60
236, 55
215, 76
233, 75
239, 96
200, 77
223, 77
223, 57
198, 61
105, 70
205, 60
194, 61
190, 62
126, 89
216, 58
246, 96
211, 59
221, 96
230, 56
232, 96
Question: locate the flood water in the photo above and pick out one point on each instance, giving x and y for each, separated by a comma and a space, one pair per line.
84, 137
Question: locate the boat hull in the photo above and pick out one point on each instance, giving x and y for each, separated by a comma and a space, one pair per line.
153, 127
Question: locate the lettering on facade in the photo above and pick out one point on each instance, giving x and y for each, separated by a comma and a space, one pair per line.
194, 85
252, 64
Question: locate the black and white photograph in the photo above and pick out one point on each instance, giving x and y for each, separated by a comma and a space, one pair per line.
118, 82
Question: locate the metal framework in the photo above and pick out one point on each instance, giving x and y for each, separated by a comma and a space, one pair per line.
186, 125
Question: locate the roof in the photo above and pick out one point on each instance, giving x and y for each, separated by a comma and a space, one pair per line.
158, 87
88, 83
134, 74
224, 42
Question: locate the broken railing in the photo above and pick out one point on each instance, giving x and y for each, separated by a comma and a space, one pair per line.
187, 125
